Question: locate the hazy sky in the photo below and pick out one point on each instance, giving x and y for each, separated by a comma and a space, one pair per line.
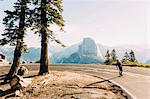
108, 22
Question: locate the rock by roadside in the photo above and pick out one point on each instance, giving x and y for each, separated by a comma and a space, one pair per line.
68, 85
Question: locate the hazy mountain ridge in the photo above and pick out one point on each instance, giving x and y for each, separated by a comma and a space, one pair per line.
148, 61
86, 52
32, 55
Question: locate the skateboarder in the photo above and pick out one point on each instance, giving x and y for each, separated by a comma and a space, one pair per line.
119, 66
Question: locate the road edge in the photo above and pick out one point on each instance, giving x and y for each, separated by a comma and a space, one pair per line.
131, 96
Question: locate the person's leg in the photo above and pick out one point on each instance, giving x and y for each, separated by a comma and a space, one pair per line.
121, 73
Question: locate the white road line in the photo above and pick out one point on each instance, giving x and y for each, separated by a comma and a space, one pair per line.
127, 73
108, 71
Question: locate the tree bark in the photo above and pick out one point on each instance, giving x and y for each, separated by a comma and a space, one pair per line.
16, 62
19, 43
44, 40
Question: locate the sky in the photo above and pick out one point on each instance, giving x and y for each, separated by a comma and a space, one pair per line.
108, 22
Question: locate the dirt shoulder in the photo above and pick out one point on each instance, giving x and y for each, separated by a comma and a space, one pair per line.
69, 85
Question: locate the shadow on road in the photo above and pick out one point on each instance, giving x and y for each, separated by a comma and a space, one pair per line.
106, 80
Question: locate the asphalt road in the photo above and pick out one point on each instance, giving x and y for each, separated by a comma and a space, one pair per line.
135, 80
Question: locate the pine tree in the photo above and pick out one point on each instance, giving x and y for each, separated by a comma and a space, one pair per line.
126, 58
113, 55
45, 14
108, 59
15, 23
107, 55
132, 56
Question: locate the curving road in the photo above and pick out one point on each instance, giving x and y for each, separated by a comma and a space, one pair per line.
135, 80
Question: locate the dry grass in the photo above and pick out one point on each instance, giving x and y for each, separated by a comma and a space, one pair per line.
68, 85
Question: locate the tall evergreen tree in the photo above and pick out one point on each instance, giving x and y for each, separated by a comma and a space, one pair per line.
126, 56
107, 55
132, 56
113, 55
15, 23
108, 58
45, 14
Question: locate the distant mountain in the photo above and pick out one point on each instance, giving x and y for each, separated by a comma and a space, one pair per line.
57, 57
148, 61
8, 52
73, 54
33, 55
86, 52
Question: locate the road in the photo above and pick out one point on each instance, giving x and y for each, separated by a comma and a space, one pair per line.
135, 80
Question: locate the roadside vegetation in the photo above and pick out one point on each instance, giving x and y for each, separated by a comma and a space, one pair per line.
129, 59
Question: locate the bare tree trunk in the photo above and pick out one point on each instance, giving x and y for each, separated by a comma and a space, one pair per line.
44, 56
16, 62
19, 45
44, 40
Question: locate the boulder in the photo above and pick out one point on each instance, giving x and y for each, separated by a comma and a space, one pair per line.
15, 83
21, 71
18, 82
18, 93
